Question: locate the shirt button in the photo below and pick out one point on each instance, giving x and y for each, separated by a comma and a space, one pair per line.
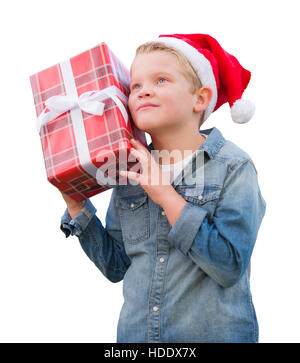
131, 205
163, 213
155, 308
162, 259
200, 197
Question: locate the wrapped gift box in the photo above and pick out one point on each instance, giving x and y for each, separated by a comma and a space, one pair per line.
84, 122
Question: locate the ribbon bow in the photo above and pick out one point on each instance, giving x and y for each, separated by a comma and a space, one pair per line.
90, 102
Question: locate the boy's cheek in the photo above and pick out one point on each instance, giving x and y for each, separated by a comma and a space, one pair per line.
131, 110
130, 104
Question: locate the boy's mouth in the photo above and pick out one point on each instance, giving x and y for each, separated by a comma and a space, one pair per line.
146, 105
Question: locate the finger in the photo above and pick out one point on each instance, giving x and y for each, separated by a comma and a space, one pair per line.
139, 145
142, 157
130, 174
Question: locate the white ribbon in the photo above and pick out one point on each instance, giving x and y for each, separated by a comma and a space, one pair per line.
89, 102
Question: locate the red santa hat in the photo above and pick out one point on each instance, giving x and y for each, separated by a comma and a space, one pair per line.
216, 69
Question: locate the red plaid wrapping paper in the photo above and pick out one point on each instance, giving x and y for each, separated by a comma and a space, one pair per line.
95, 69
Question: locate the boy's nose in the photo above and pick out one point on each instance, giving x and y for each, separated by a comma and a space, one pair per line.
145, 93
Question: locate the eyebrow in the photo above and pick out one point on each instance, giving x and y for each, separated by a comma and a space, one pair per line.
154, 74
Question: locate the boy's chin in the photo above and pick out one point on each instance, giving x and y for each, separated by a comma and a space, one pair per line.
148, 126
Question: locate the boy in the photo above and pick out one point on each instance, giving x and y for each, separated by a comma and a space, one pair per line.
181, 248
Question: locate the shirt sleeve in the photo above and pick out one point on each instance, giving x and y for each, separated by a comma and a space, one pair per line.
78, 224
223, 248
103, 246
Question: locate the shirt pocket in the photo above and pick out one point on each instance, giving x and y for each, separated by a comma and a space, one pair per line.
206, 197
134, 218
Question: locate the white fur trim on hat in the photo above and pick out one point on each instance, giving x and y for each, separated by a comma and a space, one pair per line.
200, 64
242, 111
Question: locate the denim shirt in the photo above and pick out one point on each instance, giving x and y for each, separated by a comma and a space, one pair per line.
188, 282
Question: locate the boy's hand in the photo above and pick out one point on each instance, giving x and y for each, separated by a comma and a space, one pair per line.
152, 179
73, 206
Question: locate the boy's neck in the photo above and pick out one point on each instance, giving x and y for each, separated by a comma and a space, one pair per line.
173, 142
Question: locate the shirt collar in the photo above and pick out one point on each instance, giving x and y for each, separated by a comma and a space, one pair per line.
211, 146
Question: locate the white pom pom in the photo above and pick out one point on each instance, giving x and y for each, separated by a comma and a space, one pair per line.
242, 111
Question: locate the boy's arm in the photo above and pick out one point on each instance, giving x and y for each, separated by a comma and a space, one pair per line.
104, 246
223, 248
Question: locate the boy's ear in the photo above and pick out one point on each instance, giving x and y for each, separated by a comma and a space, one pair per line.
203, 97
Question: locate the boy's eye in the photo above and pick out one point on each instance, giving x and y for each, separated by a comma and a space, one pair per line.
162, 78
133, 86
159, 79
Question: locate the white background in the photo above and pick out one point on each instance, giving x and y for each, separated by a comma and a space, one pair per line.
50, 291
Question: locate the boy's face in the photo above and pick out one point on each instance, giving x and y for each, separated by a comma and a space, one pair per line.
157, 79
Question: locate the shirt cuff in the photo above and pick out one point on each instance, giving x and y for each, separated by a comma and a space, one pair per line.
184, 231
78, 224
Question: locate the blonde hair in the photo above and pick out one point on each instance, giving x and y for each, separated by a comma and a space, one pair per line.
185, 66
